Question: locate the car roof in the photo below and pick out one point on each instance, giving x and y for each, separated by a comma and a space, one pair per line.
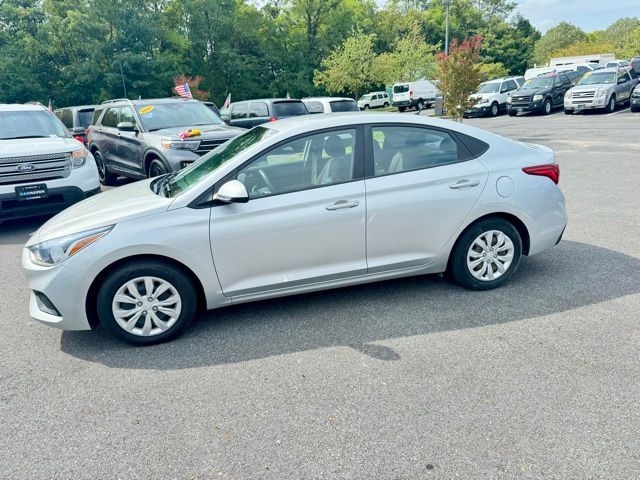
78, 107
329, 99
272, 100
610, 70
119, 101
18, 107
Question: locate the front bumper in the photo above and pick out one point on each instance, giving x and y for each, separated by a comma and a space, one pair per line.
537, 106
478, 111
580, 104
64, 288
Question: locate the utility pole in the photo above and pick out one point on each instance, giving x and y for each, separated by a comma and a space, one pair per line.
446, 27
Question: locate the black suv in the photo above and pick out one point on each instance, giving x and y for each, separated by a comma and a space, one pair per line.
541, 94
77, 120
147, 138
250, 113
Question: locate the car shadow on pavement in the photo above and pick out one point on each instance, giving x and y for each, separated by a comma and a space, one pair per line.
569, 276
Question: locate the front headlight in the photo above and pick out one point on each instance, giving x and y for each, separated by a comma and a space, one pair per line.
52, 252
180, 144
537, 98
567, 95
78, 158
601, 93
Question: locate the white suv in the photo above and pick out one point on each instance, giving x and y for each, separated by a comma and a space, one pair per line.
374, 100
491, 97
43, 169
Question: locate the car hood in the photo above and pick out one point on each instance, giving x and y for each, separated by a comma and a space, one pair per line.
482, 97
24, 147
108, 208
592, 87
531, 91
208, 131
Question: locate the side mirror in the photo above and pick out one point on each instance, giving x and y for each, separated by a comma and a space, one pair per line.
232, 192
126, 127
78, 130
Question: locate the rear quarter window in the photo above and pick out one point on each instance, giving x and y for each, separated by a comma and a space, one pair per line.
344, 106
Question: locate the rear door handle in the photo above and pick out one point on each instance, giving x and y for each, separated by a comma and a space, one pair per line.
464, 184
342, 204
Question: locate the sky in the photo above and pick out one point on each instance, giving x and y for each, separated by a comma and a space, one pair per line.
587, 14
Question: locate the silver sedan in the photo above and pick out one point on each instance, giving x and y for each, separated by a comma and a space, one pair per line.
295, 206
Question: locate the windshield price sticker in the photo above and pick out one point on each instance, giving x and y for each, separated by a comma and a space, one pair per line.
145, 110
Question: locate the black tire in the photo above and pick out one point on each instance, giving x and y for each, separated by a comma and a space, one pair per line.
419, 105
106, 177
366, 107
495, 109
165, 271
547, 107
402, 109
156, 168
568, 111
458, 268
611, 106
512, 113
386, 105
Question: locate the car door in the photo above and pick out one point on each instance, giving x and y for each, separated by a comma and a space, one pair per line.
561, 85
109, 135
421, 184
129, 149
624, 85
305, 219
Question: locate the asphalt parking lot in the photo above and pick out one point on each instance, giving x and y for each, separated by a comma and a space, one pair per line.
406, 379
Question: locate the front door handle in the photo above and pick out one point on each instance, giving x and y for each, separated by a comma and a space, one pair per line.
342, 204
464, 184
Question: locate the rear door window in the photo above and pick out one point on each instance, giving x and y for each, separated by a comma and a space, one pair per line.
110, 118
66, 116
286, 109
401, 88
258, 109
239, 110
315, 107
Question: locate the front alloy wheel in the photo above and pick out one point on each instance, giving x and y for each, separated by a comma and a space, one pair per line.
494, 110
146, 302
612, 105
547, 107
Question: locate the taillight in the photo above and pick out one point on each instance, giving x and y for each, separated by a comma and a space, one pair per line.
551, 171
86, 132
79, 138
273, 119
411, 94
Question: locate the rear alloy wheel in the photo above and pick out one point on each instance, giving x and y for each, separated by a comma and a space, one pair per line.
156, 168
366, 107
547, 106
386, 105
486, 255
106, 177
611, 107
145, 302
494, 109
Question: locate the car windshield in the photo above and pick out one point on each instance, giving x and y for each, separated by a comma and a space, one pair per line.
156, 116
539, 82
489, 87
400, 88
365, 97
594, 78
190, 176
30, 124
344, 106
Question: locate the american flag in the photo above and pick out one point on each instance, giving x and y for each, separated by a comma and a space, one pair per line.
184, 90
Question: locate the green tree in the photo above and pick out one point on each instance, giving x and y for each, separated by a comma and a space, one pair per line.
558, 37
459, 74
489, 71
411, 59
348, 69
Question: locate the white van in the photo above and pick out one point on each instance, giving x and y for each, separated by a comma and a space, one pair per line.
416, 95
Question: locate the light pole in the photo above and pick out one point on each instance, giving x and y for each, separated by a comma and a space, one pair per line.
446, 27
124, 85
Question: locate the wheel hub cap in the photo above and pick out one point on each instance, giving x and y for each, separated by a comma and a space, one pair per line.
146, 306
490, 255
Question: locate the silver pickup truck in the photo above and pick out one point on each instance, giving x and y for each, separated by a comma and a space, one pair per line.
601, 89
